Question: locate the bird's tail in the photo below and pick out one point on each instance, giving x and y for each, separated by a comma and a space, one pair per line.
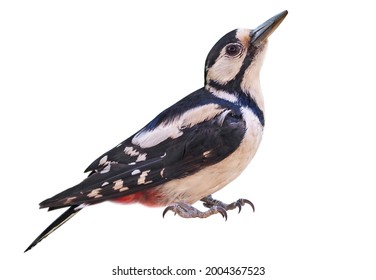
73, 210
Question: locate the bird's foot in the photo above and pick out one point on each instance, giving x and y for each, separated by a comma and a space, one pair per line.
210, 202
186, 210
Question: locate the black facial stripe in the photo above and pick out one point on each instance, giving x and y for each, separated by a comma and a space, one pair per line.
252, 52
236, 82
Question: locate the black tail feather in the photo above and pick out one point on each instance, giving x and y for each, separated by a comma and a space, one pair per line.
55, 225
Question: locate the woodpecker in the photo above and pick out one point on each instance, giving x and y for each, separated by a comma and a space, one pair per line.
190, 150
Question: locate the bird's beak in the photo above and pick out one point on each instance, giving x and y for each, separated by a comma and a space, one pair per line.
261, 33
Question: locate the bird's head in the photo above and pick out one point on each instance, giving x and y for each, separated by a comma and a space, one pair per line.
234, 63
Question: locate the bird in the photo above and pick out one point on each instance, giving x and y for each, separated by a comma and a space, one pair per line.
190, 150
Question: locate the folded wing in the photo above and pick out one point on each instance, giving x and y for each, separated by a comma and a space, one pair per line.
170, 149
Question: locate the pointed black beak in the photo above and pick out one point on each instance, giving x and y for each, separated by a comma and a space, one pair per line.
261, 33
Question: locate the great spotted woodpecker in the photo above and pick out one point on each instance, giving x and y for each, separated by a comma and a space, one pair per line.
190, 150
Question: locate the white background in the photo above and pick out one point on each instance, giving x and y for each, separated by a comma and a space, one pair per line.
78, 77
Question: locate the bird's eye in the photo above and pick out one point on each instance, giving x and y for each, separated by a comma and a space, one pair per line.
233, 49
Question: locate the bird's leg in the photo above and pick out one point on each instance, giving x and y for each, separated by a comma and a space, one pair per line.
186, 210
210, 202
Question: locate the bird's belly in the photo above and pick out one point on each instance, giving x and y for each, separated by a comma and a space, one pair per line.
212, 178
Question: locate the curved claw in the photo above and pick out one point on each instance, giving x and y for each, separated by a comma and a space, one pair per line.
168, 208
244, 201
239, 205
222, 211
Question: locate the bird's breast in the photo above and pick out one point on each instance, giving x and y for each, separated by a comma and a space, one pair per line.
212, 178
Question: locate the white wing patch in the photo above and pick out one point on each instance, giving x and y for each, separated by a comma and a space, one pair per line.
119, 186
173, 129
95, 193
142, 179
141, 157
103, 160
83, 205
106, 169
133, 152
147, 139
207, 153
69, 199
162, 172
135, 172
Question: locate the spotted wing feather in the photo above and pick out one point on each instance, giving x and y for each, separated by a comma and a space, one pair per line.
124, 172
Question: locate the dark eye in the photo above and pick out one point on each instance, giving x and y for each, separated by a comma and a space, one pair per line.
233, 49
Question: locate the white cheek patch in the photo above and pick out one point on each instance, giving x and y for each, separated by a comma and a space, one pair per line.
225, 68
173, 129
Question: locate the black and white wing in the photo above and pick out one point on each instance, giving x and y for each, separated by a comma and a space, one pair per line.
179, 142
